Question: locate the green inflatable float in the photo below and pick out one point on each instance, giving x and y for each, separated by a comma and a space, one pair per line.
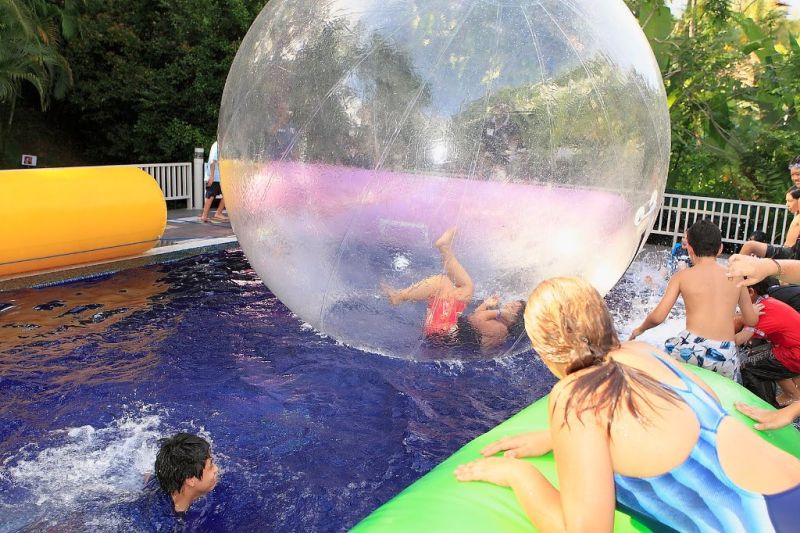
439, 503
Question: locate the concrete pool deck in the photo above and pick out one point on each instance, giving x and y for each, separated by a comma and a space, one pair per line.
184, 236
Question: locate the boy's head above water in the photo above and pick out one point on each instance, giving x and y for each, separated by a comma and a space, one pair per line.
759, 236
704, 238
184, 464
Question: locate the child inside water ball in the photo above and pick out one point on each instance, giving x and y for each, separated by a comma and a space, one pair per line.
448, 295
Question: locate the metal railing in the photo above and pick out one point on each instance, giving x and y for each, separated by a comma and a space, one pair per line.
736, 218
174, 179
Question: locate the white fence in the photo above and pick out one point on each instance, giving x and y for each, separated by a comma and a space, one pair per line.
737, 219
175, 179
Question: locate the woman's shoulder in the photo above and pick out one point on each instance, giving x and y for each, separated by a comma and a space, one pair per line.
638, 348
629, 352
643, 357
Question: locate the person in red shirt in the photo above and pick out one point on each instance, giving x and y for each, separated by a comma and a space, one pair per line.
779, 324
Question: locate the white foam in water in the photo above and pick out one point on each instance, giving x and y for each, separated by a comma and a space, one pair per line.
648, 277
656, 336
86, 464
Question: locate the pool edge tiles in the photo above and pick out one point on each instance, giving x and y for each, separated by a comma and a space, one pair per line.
44, 278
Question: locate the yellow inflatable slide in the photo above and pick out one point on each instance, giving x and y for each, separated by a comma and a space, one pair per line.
67, 216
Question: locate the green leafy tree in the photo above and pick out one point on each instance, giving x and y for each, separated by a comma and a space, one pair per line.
150, 73
731, 82
30, 53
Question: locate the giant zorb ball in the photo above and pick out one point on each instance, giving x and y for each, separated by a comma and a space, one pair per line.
353, 133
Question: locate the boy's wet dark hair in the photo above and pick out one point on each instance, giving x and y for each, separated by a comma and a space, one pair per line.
705, 238
759, 236
795, 192
518, 327
762, 287
180, 457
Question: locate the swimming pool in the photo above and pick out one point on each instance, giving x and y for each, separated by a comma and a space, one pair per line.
309, 435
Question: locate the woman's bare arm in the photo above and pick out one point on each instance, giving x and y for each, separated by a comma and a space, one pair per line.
755, 269
583, 461
793, 233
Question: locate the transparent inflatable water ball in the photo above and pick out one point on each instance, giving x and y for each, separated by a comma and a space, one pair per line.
354, 135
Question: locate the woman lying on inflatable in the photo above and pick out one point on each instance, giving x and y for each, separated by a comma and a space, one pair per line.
629, 424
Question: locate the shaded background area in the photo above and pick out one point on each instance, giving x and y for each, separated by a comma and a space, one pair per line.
146, 82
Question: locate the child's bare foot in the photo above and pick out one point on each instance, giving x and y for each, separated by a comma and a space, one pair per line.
446, 239
391, 293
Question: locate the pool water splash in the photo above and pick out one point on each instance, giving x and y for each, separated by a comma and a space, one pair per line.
313, 435
87, 462
639, 292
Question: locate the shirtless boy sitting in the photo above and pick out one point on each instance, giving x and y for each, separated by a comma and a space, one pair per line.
711, 299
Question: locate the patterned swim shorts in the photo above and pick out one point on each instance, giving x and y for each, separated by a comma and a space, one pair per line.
718, 356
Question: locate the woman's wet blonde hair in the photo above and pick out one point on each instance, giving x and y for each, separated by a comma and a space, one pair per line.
568, 322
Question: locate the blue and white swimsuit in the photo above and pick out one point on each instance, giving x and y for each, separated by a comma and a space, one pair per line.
697, 495
717, 356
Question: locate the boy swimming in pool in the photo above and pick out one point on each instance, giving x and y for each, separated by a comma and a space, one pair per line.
711, 299
448, 295
185, 471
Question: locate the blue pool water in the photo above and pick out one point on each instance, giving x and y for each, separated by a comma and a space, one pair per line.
309, 435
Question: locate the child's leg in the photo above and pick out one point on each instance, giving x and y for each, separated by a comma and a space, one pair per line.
456, 282
422, 290
220, 208
791, 393
453, 268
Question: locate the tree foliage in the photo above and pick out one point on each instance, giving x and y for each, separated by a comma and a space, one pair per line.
732, 85
30, 53
148, 78
149, 75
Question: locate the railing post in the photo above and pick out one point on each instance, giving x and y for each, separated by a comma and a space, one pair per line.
678, 217
198, 191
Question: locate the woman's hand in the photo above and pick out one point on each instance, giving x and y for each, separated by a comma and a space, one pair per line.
498, 470
770, 419
531, 444
753, 268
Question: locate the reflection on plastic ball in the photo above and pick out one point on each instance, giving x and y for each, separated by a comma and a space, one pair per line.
401, 262
354, 133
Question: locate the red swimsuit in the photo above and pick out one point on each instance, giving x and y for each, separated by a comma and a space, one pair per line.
442, 315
